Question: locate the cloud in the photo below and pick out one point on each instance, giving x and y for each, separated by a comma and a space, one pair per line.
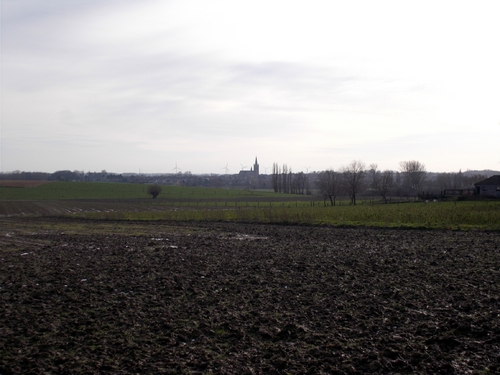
223, 80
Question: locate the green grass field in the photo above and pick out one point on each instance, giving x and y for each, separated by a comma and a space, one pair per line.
115, 201
442, 215
104, 190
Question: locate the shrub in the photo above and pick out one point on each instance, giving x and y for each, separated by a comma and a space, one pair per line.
154, 190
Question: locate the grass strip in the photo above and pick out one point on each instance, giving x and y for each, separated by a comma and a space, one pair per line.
444, 215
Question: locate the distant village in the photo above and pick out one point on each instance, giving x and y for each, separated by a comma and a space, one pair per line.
485, 182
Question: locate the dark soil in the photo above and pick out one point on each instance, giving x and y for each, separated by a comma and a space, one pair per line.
249, 299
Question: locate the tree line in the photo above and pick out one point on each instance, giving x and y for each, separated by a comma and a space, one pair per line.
64, 175
350, 180
355, 178
285, 181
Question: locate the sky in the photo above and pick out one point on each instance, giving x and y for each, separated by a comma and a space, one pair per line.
147, 86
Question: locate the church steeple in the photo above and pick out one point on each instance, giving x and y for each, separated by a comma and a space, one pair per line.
256, 167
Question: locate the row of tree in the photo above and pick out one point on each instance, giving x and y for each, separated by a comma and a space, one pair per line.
348, 180
285, 181
63, 175
354, 179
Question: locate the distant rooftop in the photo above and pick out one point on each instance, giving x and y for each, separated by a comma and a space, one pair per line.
493, 180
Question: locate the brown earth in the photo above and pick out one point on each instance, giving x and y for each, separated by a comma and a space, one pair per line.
22, 183
81, 297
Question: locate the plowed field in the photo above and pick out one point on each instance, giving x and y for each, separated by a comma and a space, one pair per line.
185, 298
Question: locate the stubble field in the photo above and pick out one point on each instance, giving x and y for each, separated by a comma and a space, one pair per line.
82, 296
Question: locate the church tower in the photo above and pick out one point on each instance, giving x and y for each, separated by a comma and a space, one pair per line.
256, 167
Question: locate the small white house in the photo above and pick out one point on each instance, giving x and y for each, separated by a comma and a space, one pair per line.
489, 187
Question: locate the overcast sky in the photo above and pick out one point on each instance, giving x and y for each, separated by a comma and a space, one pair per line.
131, 86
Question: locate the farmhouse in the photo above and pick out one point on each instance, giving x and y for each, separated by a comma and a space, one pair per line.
489, 187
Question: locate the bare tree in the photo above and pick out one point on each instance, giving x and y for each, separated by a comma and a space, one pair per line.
471, 180
307, 185
284, 178
458, 180
154, 190
276, 178
329, 185
289, 180
353, 178
381, 182
414, 174
301, 179
297, 183
285, 181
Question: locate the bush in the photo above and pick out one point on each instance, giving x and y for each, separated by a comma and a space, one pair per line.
154, 190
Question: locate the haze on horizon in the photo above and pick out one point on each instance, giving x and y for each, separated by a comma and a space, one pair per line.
130, 86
